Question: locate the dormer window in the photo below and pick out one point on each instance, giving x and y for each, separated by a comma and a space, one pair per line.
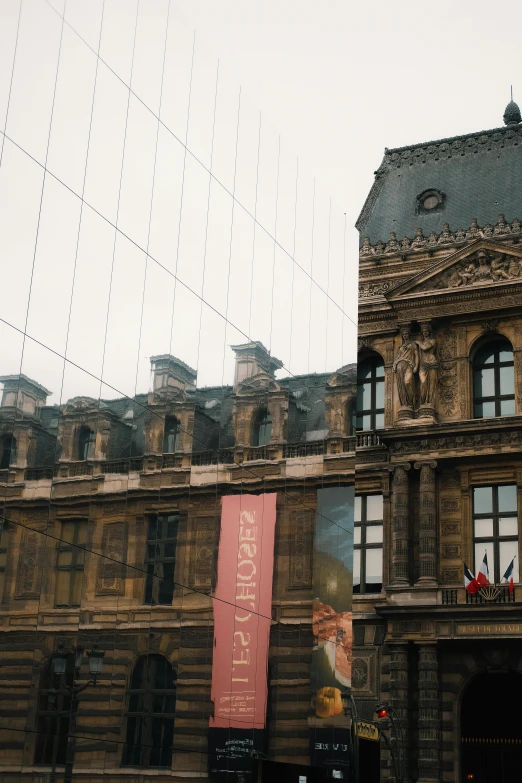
430, 201
8, 451
86, 442
171, 435
262, 429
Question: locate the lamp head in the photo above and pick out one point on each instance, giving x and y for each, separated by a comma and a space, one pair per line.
381, 711
59, 660
95, 657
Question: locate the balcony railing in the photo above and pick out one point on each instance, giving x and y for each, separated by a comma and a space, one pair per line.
223, 457
304, 449
496, 594
367, 440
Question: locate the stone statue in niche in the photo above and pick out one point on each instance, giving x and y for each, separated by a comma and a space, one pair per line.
428, 371
405, 367
416, 369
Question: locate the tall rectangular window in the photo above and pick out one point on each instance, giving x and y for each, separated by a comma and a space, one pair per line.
368, 539
495, 529
70, 560
160, 559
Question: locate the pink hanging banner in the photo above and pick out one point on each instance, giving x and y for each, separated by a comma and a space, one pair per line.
243, 610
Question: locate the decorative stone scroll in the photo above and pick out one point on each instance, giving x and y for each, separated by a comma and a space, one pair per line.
301, 546
205, 548
27, 576
111, 569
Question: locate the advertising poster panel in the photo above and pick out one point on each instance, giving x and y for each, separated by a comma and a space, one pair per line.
242, 618
331, 669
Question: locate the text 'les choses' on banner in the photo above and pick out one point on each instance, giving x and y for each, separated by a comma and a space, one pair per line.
243, 610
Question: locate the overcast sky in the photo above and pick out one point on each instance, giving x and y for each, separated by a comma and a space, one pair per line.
345, 79
339, 82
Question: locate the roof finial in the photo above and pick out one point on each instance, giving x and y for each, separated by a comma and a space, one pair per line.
512, 113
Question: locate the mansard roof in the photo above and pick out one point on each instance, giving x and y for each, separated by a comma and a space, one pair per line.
476, 175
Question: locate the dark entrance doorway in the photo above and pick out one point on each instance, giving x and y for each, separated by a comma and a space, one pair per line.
491, 729
369, 761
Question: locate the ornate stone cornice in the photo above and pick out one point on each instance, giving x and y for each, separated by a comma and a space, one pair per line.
501, 231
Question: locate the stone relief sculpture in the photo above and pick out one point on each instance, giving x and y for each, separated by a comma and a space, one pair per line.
428, 370
405, 367
416, 369
481, 268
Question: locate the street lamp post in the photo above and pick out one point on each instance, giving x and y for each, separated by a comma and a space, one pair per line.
350, 707
384, 711
59, 668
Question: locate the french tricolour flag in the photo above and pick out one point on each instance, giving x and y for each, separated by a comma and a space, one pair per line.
483, 574
508, 576
470, 583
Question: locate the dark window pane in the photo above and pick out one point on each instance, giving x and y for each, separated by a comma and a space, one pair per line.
486, 355
507, 498
148, 740
364, 401
505, 354
166, 590
507, 407
379, 395
364, 371
507, 380
485, 383
484, 410
482, 500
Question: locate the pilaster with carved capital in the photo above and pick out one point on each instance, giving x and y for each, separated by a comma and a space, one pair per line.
429, 738
400, 520
427, 525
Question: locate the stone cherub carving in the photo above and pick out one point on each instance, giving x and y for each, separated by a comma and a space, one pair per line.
416, 369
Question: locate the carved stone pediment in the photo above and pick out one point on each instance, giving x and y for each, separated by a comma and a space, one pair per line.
260, 382
345, 377
83, 405
169, 394
484, 263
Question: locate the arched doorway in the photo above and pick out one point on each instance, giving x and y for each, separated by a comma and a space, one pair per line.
491, 729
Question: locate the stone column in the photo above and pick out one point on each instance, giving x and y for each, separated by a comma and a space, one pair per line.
427, 525
400, 519
399, 699
429, 715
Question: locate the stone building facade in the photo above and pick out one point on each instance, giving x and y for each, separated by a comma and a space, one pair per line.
440, 403
111, 516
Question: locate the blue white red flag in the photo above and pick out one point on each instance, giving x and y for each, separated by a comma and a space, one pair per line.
470, 583
508, 576
483, 574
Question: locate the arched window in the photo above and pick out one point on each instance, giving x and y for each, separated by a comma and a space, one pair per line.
494, 380
86, 442
171, 435
150, 714
370, 394
53, 714
8, 451
262, 429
